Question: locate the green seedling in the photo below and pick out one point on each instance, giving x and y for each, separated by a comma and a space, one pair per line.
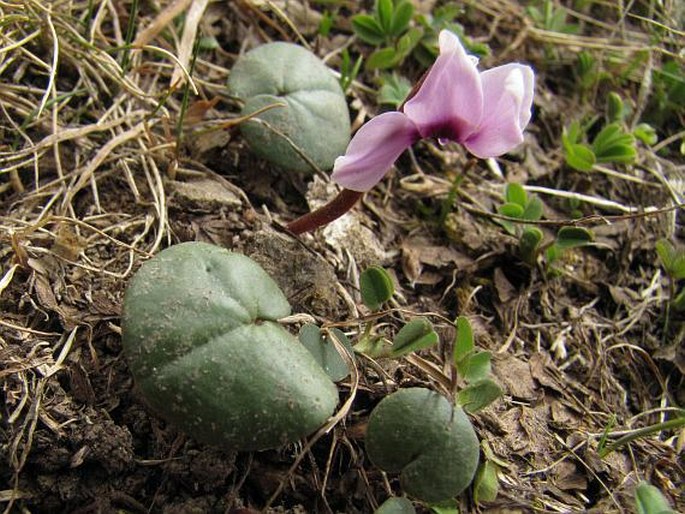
486, 482
201, 336
566, 239
518, 204
389, 27
673, 261
416, 335
474, 368
376, 287
665, 108
326, 23
394, 90
649, 500
588, 74
349, 70
388, 21
612, 144
646, 133
443, 18
550, 16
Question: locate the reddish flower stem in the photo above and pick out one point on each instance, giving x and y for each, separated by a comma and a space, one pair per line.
341, 203
325, 214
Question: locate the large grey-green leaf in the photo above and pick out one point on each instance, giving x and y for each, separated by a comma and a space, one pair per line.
314, 118
419, 434
202, 341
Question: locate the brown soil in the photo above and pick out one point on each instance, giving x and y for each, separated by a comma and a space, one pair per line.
578, 352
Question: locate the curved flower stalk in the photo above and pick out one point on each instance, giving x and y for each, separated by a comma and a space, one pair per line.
486, 111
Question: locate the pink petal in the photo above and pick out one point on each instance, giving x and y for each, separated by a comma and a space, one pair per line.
508, 98
449, 103
373, 150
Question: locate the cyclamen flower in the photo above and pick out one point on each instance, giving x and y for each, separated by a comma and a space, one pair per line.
484, 111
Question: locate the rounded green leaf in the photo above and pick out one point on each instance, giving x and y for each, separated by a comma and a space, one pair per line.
313, 120
419, 434
573, 237
396, 505
580, 157
649, 500
202, 341
383, 59
401, 18
376, 287
479, 395
515, 193
510, 209
486, 484
324, 351
368, 29
416, 335
529, 244
463, 340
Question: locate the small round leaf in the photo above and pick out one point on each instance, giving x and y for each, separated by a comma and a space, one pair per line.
376, 287
396, 505
419, 434
313, 118
416, 335
324, 351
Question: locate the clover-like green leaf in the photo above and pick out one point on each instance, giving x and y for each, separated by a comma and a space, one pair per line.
512, 210
463, 340
416, 335
515, 193
580, 157
324, 351
394, 90
383, 59
376, 287
672, 259
368, 29
529, 244
432, 445
613, 144
533, 210
479, 395
401, 17
646, 133
573, 237
202, 340
486, 485
476, 366
310, 123
384, 11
